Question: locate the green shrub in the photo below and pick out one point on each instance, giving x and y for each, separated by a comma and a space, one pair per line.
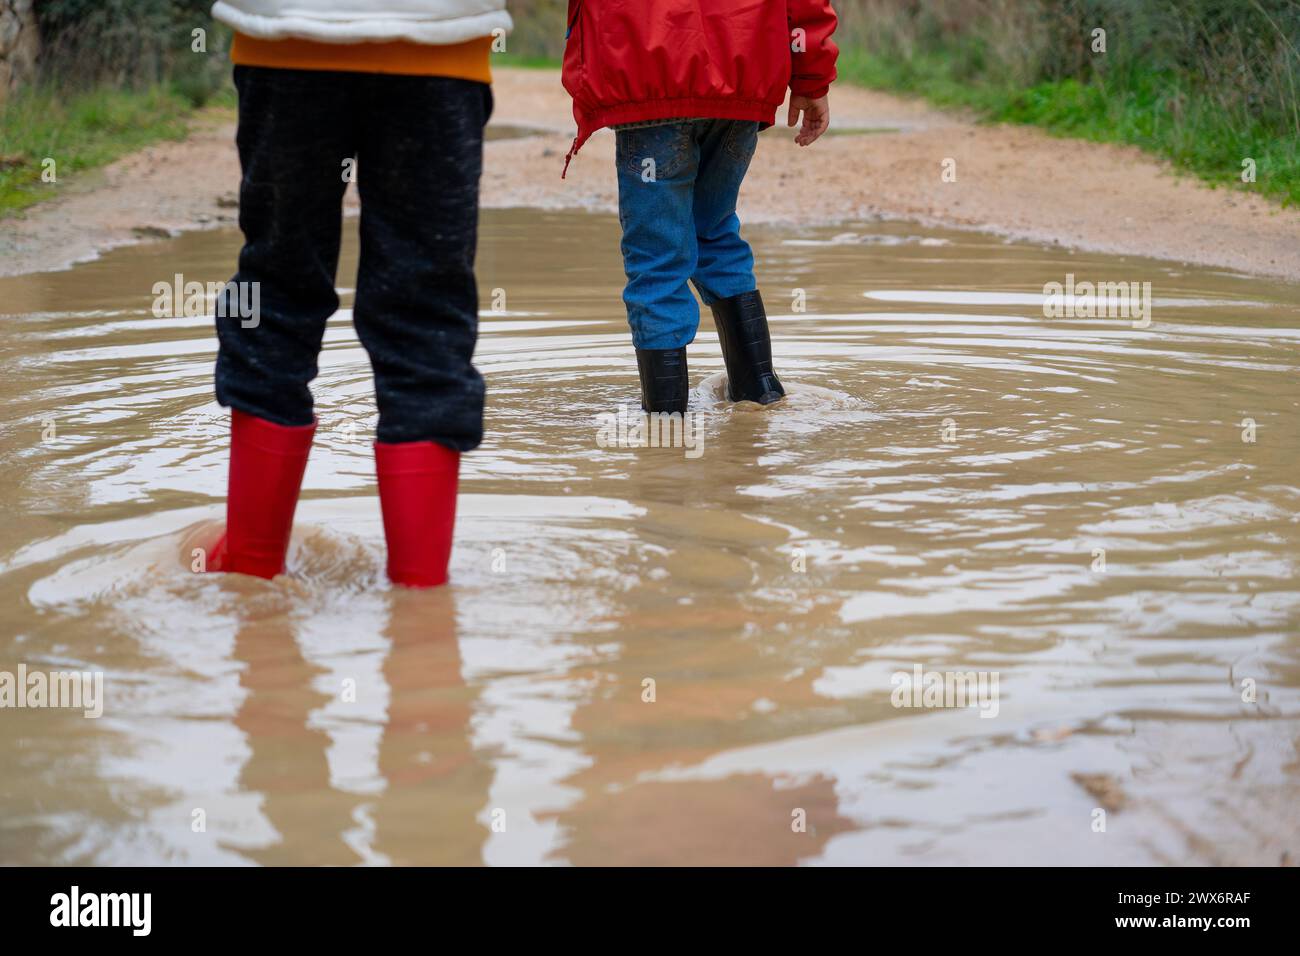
1208, 83
538, 36
133, 44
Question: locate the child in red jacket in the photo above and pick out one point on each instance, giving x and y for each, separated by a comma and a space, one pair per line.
687, 86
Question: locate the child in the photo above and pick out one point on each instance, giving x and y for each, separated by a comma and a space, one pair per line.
687, 85
402, 88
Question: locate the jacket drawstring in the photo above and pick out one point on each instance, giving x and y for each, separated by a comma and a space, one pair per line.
573, 151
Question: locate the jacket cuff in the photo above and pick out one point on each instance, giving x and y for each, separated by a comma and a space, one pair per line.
812, 92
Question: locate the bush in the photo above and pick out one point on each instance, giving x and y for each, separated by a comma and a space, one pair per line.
1207, 83
132, 44
539, 30
1243, 56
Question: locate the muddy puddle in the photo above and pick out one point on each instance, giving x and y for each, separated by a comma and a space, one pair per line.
649, 657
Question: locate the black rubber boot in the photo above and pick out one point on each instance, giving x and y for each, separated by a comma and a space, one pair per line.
665, 383
747, 349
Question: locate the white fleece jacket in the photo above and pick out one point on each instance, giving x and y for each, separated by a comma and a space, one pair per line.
359, 21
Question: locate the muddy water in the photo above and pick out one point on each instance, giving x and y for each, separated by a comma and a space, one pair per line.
955, 483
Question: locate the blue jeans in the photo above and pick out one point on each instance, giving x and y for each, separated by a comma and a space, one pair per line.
677, 188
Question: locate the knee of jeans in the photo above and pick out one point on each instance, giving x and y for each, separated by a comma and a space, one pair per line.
707, 296
724, 270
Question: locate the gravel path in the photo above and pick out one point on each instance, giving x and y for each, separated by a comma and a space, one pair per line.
885, 159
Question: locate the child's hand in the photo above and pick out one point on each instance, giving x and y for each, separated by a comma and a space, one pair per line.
816, 118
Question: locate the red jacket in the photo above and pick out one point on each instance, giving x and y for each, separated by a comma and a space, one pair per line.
633, 60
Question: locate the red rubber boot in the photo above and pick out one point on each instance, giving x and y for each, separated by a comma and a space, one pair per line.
267, 462
417, 494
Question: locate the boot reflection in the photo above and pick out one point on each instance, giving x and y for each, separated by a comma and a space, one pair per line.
288, 764
725, 668
436, 785
747, 819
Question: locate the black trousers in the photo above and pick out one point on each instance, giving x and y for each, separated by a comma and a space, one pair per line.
418, 145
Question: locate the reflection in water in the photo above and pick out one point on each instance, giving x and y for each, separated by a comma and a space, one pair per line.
430, 786
435, 785
742, 820
288, 767
651, 659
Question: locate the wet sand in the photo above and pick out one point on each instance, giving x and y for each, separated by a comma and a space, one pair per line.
1015, 182
933, 493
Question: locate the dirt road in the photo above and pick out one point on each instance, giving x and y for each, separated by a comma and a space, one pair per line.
884, 160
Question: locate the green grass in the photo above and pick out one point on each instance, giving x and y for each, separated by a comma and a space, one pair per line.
1156, 111
79, 132
1159, 112
527, 61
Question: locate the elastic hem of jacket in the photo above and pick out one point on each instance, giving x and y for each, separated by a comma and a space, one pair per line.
813, 93
759, 111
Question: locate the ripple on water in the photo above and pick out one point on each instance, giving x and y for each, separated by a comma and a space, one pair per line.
953, 481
